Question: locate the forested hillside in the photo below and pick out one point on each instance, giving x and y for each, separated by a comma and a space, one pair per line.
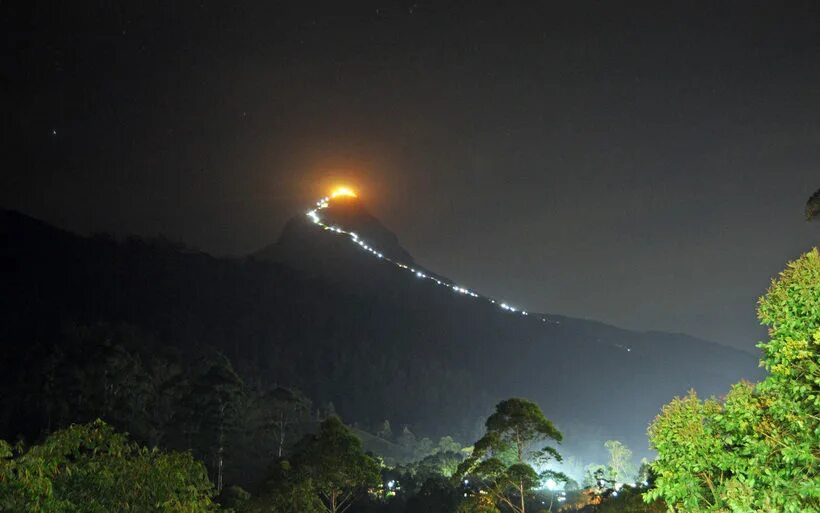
361, 339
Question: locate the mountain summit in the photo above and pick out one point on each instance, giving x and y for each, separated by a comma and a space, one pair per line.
343, 217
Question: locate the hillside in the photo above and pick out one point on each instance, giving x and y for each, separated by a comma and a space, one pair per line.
318, 313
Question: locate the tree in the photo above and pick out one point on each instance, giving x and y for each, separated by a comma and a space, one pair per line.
757, 450
93, 375
336, 465
447, 444
285, 491
442, 463
621, 468
90, 468
277, 414
210, 411
385, 431
502, 458
437, 495
407, 439
423, 448
813, 206
597, 476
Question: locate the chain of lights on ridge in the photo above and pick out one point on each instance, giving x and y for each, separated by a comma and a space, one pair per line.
323, 203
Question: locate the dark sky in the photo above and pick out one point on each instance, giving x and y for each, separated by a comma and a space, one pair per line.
644, 164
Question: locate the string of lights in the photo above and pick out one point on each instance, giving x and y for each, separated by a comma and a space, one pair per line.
313, 215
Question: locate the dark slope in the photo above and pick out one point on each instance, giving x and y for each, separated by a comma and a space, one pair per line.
344, 327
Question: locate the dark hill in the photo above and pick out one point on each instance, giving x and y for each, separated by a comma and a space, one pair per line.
316, 312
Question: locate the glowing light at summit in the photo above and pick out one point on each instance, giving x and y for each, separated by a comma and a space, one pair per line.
343, 192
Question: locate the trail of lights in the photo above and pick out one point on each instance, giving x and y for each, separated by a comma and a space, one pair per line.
324, 203
313, 215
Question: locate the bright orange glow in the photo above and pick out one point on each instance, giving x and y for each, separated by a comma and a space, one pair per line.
342, 191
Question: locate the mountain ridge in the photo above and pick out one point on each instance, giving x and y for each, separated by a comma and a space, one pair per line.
374, 340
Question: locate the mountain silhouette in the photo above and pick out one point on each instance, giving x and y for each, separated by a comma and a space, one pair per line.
380, 337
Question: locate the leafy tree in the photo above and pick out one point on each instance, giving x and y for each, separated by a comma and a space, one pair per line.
285, 491
597, 476
628, 500
338, 469
234, 497
758, 449
478, 503
442, 463
91, 468
621, 468
447, 444
502, 458
423, 448
437, 495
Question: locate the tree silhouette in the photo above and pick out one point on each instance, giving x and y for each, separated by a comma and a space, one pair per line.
813, 206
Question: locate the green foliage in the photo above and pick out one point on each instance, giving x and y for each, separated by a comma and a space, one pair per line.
437, 495
502, 458
334, 463
758, 450
285, 491
441, 463
234, 497
90, 468
628, 500
447, 444
596, 475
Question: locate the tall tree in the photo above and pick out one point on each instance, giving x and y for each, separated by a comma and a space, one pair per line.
621, 467
277, 414
502, 459
210, 411
759, 449
336, 465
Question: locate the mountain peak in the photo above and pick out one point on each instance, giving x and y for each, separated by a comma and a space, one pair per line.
344, 212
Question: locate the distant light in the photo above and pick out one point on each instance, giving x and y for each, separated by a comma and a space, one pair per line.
551, 484
391, 484
343, 191
466, 481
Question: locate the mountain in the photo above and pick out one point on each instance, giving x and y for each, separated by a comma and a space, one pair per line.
337, 308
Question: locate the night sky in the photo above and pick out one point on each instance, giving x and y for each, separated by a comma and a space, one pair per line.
640, 164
